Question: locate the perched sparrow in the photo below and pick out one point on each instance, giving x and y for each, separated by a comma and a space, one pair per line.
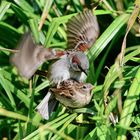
71, 94
31, 56
82, 31
73, 65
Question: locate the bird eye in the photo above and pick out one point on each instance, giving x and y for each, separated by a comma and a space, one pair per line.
84, 86
75, 67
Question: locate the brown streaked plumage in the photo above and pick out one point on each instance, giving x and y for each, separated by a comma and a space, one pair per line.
73, 94
70, 93
82, 31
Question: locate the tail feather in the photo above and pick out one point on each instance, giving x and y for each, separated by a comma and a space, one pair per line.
47, 105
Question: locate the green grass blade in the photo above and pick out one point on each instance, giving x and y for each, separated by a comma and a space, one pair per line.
106, 37
3, 8
128, 107
7, 89
6, 113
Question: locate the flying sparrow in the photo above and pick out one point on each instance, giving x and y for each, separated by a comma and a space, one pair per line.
30, 56
71, 94
82, 31
73, 64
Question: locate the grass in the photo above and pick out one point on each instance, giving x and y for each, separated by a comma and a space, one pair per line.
117, 85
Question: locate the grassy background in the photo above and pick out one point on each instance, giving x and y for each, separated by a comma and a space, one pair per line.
117, 88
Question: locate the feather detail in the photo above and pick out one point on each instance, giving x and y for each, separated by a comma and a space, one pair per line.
46, 106
82, 31
73, 94
31, 56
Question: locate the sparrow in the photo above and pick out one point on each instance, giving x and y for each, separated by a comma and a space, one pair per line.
82, 31
30, 56
69, 64
71, 94
73, 65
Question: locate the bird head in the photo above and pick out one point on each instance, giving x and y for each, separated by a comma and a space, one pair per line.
79, 62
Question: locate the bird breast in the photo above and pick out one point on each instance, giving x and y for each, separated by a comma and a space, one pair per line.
78, 76
59, 71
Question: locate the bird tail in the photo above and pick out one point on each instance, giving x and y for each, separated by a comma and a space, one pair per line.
47, 105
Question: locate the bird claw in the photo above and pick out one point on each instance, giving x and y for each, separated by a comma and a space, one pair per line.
58, 85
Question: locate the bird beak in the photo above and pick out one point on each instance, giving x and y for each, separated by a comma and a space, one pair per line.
82, 70
91, 87
85, 72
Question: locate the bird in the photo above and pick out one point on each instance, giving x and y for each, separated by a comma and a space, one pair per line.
68, 73
73, 65
71, 94
30, 56
82, 31
68, 64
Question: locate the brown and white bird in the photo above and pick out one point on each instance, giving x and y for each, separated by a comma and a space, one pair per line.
82, 32
71, 94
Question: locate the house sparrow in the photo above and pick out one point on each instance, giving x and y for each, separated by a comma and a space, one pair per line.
73, 65
31, 56
82, 31
71, 94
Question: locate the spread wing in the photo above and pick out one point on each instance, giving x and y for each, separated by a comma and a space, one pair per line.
30, 56
82, 31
